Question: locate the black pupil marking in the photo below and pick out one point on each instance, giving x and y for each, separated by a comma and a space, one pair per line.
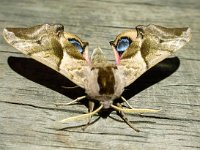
122, 45
76, 44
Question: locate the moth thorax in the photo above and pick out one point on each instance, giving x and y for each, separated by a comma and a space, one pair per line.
106, 81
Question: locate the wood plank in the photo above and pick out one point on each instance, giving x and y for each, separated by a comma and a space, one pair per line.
28, 90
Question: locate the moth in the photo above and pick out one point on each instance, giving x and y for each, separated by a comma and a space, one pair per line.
135, 51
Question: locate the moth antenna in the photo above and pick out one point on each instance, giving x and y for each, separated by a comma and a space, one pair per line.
72, 102
126, 102
80, 126
80, 117
134, 110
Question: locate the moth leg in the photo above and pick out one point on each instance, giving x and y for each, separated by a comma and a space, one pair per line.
72, 102
65, 87
126, 102
123, 116
90, 109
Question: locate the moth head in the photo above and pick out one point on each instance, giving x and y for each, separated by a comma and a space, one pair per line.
124, 44
75, 47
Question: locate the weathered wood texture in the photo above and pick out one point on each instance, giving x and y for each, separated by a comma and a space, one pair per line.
28, 90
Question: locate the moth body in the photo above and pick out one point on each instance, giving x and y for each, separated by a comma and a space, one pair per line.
104, 85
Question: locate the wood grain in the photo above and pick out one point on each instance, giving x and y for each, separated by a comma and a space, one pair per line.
28, 90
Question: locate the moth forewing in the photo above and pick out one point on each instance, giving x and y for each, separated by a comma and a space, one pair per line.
131, 68
47, 44
152, 44
160, 42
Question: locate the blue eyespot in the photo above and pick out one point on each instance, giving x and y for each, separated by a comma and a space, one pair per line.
76, 44
123, 44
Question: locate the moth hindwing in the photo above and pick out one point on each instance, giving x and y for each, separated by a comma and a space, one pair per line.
135, 50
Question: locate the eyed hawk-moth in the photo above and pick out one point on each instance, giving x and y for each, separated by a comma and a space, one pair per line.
135, 51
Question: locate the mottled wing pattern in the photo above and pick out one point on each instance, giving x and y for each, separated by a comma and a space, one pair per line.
149, 45
49, 45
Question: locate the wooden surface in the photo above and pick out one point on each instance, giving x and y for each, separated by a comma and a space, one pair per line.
28, 90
